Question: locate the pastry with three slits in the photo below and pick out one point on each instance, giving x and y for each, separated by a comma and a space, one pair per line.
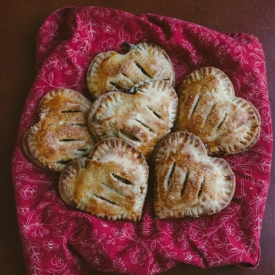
111, 71
188, 182
209, 109
62, 133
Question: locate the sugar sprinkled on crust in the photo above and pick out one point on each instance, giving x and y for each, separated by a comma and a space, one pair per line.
111, 71
188, 182
111, 183
141, 117
209, 109
62, 133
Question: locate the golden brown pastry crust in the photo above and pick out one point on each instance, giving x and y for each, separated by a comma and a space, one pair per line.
209, 109
62, 133
188, 182
111, 71
111, 183
141, 118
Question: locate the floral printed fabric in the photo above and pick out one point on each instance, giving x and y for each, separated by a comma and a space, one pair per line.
59, 240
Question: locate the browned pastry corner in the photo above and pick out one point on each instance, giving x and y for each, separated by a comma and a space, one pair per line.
111, 183
187, 181
61, 134
209, 109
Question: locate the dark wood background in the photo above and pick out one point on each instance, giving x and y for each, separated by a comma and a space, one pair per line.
19, 23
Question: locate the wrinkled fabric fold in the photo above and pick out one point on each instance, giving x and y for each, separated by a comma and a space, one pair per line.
60, 240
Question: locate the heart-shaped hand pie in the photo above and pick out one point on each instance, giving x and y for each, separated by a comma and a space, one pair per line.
141, 118
62, 133
111, 71
188, 182
111, 183
209, 109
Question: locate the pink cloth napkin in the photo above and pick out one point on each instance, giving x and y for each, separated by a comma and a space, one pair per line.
60, 240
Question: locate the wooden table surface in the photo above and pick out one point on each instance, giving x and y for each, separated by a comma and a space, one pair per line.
19, 23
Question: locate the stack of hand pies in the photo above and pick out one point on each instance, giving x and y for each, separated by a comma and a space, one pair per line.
137, 122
